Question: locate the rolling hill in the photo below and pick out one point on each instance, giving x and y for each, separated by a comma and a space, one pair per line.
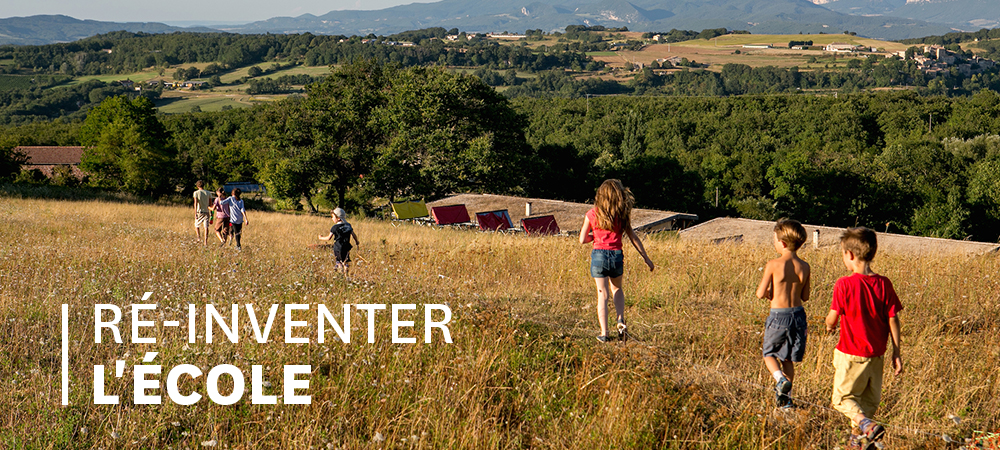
50, 29
962, 14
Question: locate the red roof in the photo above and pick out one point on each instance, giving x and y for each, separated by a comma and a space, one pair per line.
52, 155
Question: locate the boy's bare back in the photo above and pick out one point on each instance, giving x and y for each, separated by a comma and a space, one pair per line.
785, 281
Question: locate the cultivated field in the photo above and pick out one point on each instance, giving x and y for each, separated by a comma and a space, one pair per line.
174, 102
524, 369
722, 50
138, 77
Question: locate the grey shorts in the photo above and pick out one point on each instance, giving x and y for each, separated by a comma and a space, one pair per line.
785, 334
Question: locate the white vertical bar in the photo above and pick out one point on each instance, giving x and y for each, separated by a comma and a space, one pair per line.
65, 354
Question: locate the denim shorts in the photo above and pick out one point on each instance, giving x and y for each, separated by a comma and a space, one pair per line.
607, 263
785, 334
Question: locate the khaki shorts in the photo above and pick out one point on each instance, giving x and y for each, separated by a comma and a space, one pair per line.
200, 219
857, 384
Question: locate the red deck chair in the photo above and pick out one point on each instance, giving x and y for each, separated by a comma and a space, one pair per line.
540, 225
494, 220
450, 215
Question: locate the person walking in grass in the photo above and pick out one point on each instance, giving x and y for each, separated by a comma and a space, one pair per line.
221, 216
786, 284
341, 232
237, 216
605, 225
867, 307
202, 198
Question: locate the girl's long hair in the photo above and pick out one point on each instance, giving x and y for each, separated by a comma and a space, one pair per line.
614, 204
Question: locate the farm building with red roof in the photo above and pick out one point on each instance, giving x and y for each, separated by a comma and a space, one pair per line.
45, 159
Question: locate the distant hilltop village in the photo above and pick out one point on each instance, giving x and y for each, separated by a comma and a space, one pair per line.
937, 59
931, 59
934, 59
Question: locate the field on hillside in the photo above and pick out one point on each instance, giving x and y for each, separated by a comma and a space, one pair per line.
236, 74
738, 40
524, 369
184, 101
138, 77
719, 51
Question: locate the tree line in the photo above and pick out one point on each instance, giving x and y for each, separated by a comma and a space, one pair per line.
861, 73
67, 103
125, 52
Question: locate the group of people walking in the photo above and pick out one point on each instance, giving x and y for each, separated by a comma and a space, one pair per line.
864, 304
230, 215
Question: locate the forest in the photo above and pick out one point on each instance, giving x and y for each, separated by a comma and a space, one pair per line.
35, 80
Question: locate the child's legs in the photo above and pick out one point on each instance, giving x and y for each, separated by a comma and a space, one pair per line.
872, 394
602, 303
788, 368
850, 381
619, 297
778, 346
772, 364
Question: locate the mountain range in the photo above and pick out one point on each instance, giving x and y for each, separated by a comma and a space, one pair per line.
962, 14
756, 16
49, 29
885, 19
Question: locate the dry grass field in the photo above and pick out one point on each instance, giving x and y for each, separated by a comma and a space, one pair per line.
524, 370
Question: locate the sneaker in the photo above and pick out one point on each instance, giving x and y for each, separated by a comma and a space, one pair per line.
604, 339
875, 433
788, 404
784, 386
854, 442
781, 391
239, 249
622, 331
781, 400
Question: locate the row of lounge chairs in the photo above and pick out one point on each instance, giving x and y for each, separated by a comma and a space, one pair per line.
458, 215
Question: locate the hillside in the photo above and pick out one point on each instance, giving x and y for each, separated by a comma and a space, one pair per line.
961, 14
524, 369
48, 29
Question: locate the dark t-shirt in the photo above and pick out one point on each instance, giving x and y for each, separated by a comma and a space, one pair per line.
341, 240
342, 234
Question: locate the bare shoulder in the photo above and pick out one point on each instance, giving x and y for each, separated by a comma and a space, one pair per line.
801, 266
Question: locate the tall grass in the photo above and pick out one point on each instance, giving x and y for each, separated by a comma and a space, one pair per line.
524, 369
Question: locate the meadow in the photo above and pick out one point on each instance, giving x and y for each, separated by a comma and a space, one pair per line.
178, 102
524, 369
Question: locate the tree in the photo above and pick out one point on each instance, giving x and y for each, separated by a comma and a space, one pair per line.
326, 141
125, 147
10, 160
254, 72
378, 130
446, 133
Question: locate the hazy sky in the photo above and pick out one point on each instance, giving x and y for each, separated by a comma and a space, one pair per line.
187, 10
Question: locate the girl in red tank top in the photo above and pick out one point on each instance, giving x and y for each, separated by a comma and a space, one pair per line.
604, 225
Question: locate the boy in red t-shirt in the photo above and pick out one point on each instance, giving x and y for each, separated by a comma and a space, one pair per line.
868, 305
